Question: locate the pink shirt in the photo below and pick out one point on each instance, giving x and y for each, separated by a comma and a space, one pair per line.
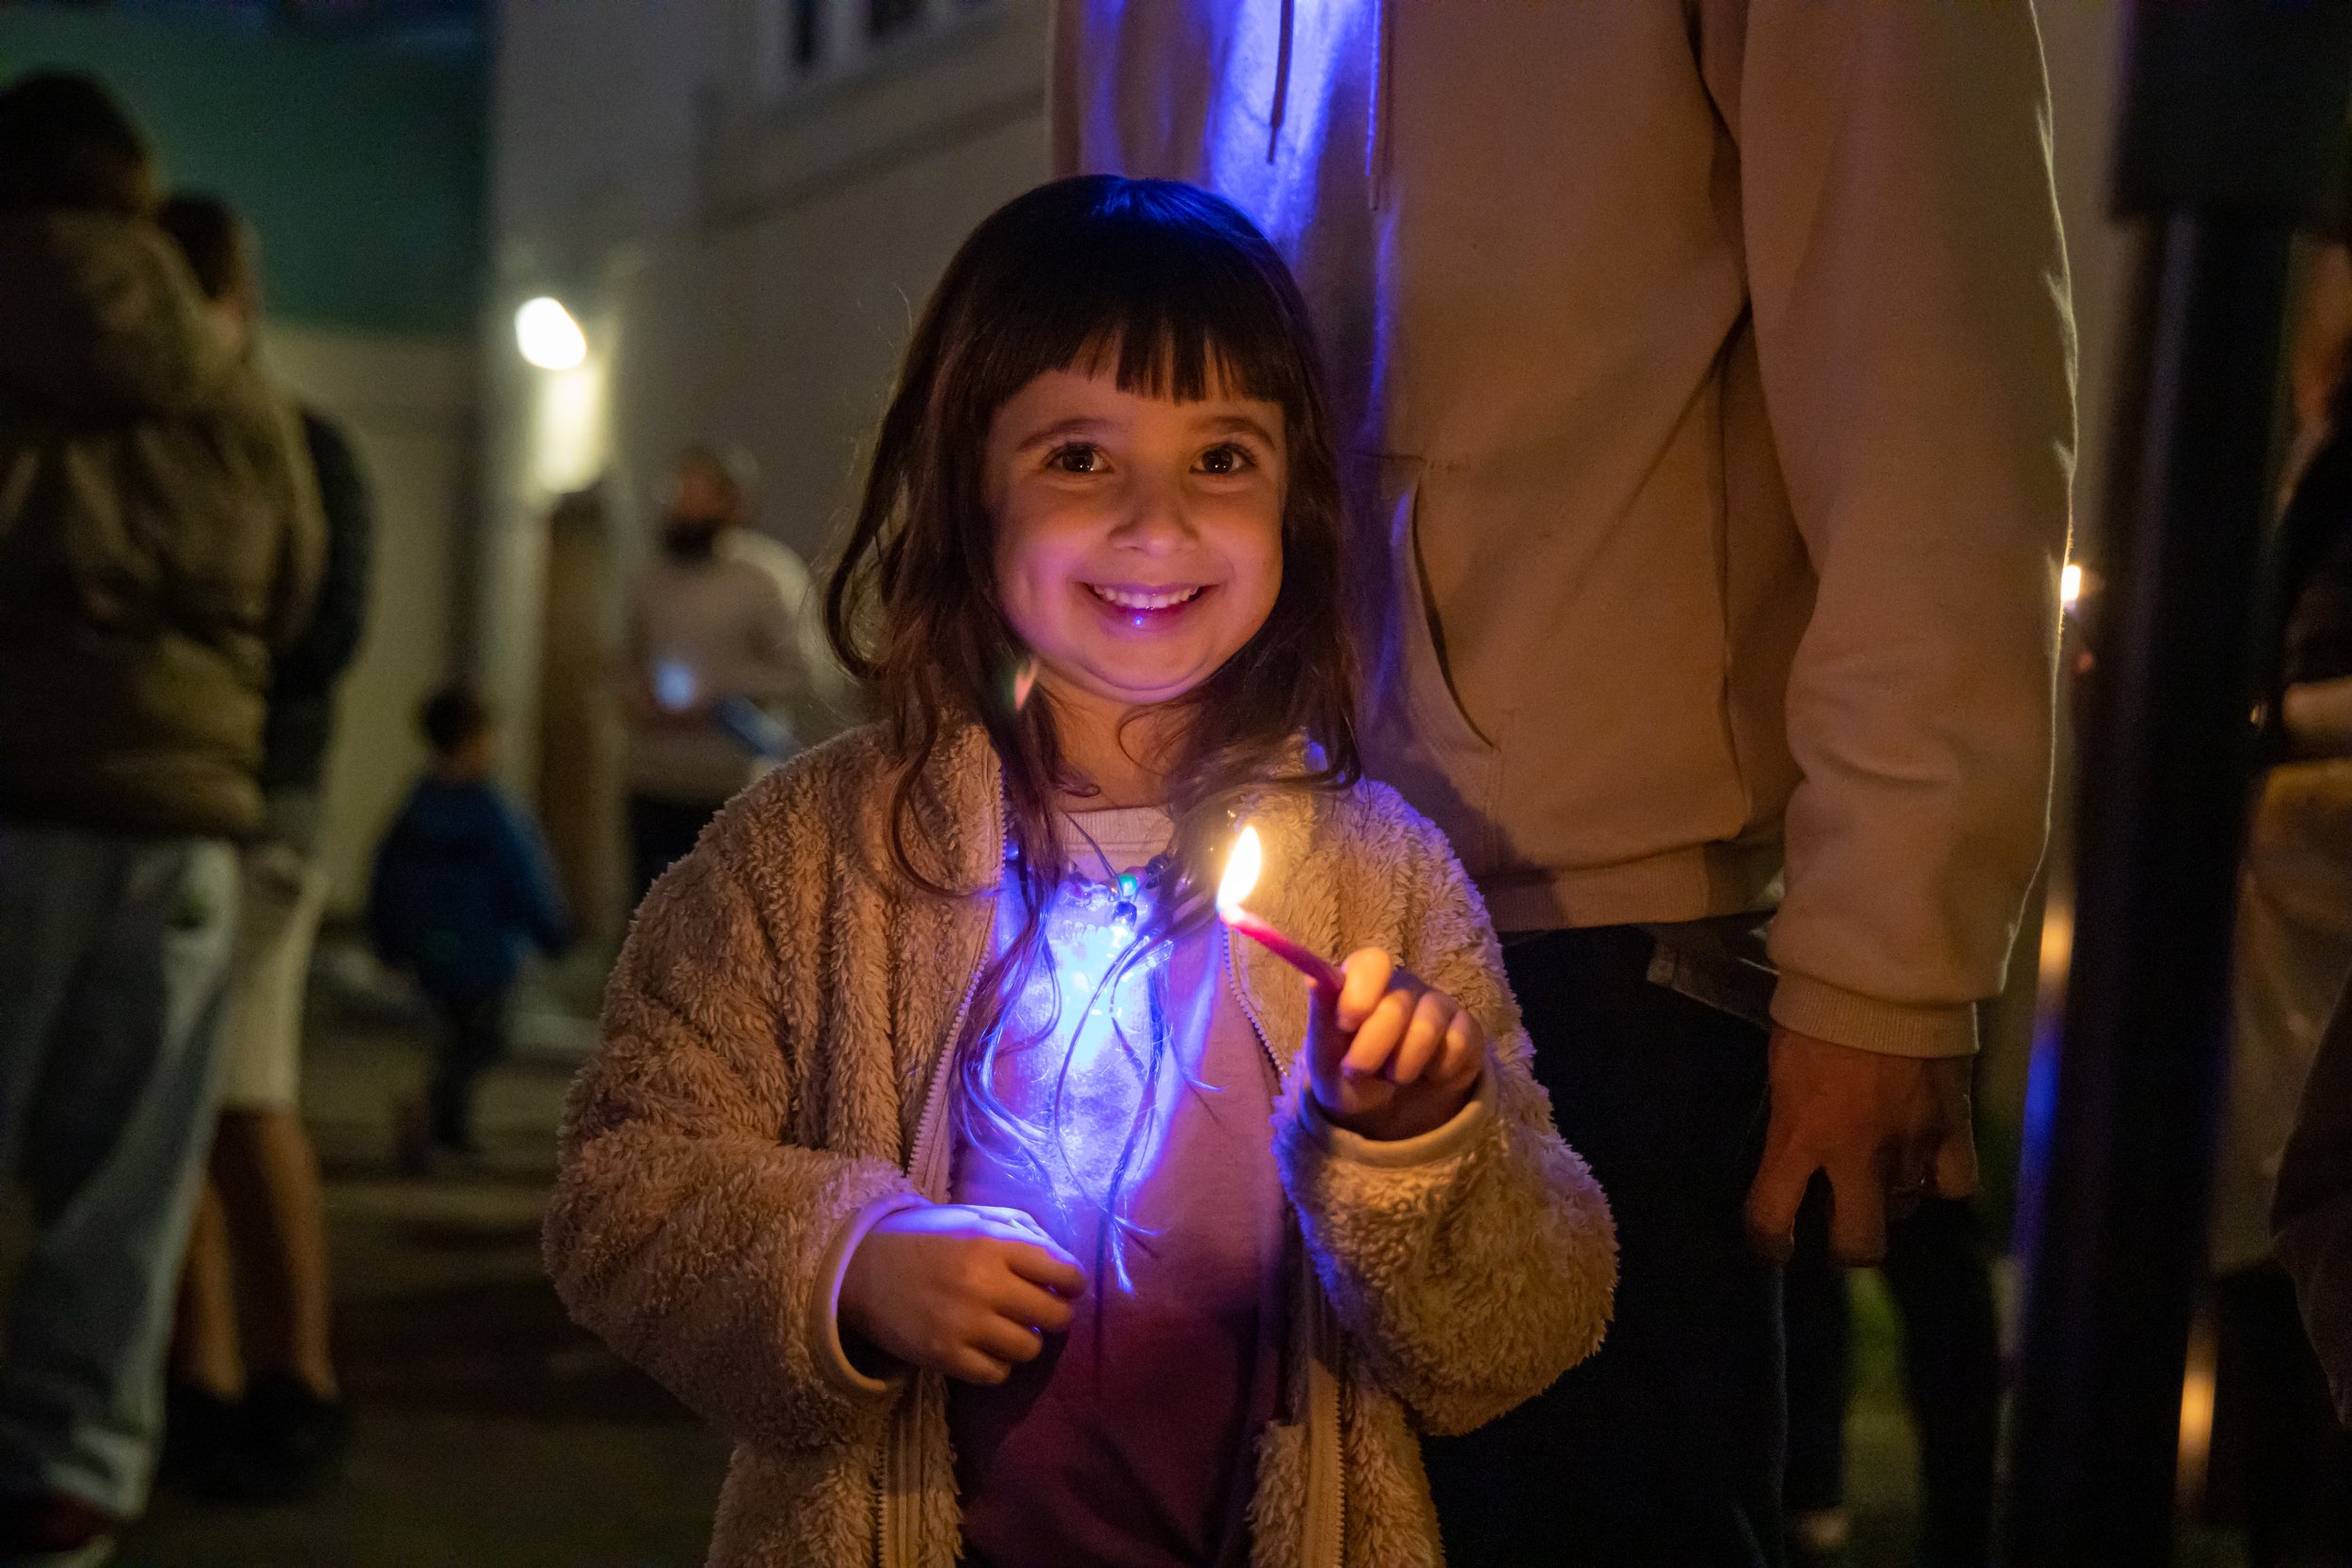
1131, 1441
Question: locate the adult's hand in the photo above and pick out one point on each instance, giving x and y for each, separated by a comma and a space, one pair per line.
959, 1288
1886, 1129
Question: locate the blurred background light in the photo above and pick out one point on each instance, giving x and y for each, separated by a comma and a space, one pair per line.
549, 337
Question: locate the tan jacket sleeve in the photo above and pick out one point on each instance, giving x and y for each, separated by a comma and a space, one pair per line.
684, 1229
1474, 1265
1916, 341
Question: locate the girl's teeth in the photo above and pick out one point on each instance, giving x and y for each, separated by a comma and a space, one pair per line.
1126, 600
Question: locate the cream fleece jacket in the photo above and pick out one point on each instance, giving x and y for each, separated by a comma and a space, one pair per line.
769, 1085
1707, 370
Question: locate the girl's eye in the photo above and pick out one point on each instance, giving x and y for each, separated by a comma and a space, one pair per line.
1227, 459
1076, 458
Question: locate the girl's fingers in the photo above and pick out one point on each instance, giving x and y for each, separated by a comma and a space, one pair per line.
1029, 1307
1368, 971
972, 1366
1055, 1270
1425, 1036
1464, 1055
1015, 1225
1376, 1041
1002, 1339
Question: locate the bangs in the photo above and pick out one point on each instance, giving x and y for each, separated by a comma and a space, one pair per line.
1170, 292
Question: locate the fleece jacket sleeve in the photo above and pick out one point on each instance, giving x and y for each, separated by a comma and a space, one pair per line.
1916, 341
1473, 1268
687, 1229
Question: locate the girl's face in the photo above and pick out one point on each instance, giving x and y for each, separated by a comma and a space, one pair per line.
1139, 540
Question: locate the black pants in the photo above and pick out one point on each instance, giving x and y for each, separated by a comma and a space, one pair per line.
659, 835
474, 1037
2282, 1467
1941, 1278
1665, 1448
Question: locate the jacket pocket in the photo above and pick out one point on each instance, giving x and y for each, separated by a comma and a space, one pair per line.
1418, 736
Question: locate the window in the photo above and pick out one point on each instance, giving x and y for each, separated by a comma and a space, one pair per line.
792, 45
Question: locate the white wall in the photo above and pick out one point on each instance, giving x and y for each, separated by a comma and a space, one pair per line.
410, 408
746, 263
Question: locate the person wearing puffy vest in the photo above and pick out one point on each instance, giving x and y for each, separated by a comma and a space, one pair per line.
160, 540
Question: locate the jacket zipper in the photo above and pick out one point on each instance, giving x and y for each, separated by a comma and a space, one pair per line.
894, 1458
1314, 1554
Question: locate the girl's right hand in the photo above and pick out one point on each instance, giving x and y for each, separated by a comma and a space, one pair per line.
960, 1290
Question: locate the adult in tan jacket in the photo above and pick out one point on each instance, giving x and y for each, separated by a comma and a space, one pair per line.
773, 1081
159, 539
1708, 370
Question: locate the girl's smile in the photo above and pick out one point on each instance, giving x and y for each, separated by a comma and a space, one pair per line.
1146, 609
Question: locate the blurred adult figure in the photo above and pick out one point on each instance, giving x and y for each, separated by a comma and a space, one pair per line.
726, 670
2281, 1472
159, 538
1707, 375
258, 1413
2312, 1219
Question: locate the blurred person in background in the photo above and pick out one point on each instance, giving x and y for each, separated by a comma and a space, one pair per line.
2311, 1213
2281, 1470
726, 668
463, 889
257, 1415
160, 539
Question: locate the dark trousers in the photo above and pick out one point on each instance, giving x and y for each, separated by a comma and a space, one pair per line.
660, 833
2282, 1467
1941, 1278
1665, 1448
474, 1037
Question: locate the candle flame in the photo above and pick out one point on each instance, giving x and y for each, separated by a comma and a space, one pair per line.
1241, 871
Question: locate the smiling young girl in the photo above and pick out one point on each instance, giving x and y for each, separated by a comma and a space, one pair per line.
943, 1149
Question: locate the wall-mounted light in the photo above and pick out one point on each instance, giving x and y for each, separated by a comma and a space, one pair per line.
2069, 586
549, 337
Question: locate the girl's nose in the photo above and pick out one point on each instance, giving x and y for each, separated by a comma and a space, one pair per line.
1156, 518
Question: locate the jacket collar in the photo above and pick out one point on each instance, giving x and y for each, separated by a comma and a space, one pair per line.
961, 812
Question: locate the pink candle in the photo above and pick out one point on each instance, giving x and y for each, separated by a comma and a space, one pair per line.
1318, 970
1241, 875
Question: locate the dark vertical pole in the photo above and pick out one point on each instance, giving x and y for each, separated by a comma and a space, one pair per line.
2234, 111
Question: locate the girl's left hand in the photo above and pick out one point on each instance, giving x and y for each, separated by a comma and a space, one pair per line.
1388, 1058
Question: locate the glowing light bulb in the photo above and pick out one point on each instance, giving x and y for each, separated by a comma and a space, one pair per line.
547, 336
1241, 871
2069, 586
675, 686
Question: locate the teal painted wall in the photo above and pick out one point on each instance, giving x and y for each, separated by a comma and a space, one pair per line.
362, 162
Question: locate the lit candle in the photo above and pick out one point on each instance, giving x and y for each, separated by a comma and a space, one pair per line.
1241, 875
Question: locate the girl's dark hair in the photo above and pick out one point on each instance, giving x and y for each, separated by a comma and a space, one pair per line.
66, 145
1176, 293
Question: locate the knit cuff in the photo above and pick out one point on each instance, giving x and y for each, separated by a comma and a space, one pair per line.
1426, 1149
824, 1327
1841, 1017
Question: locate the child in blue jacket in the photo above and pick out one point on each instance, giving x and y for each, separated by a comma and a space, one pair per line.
462, 889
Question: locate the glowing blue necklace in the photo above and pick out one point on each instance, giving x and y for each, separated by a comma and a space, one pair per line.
1097, 1012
